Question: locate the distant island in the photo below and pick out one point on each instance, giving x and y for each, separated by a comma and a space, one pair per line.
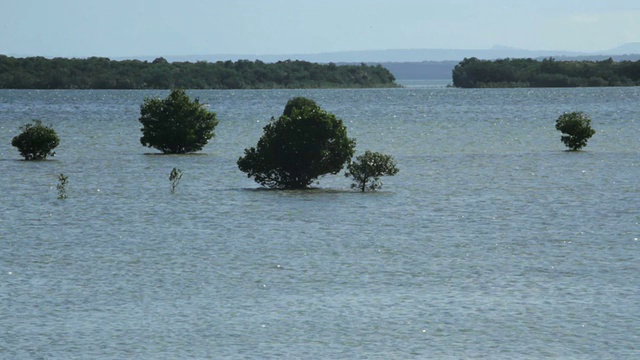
103, 73
475, 73
442, 70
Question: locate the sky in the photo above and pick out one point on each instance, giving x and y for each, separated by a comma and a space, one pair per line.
130, 28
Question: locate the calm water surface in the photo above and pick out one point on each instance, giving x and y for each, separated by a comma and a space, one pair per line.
491, 242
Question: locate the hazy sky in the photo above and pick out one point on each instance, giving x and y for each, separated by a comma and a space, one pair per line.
117, 28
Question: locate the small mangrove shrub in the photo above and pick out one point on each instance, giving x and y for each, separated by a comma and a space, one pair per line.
62, 186
367, 169
36, 141
174, 178
577, 129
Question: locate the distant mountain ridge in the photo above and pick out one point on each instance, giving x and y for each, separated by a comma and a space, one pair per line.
628, 48
404, 55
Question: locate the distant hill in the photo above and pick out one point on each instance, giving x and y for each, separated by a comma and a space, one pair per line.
404, 55
377, 56
630, 57
628, 48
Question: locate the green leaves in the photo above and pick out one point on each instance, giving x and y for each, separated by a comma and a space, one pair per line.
297, 103
577, 127
36, 141
368, 168
297, 149
174, 179
103, 73
62, 186
176, 125
475, 73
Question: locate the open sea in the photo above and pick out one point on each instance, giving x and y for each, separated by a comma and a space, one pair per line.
492, 242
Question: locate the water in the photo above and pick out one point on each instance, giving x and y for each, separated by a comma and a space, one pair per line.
491, 242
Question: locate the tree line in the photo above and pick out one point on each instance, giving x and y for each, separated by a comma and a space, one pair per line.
103, 73
475, 73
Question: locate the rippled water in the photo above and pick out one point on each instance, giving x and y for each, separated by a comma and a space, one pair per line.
491, 242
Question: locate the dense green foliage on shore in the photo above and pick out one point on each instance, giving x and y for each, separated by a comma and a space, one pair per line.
475, 73
103, 73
